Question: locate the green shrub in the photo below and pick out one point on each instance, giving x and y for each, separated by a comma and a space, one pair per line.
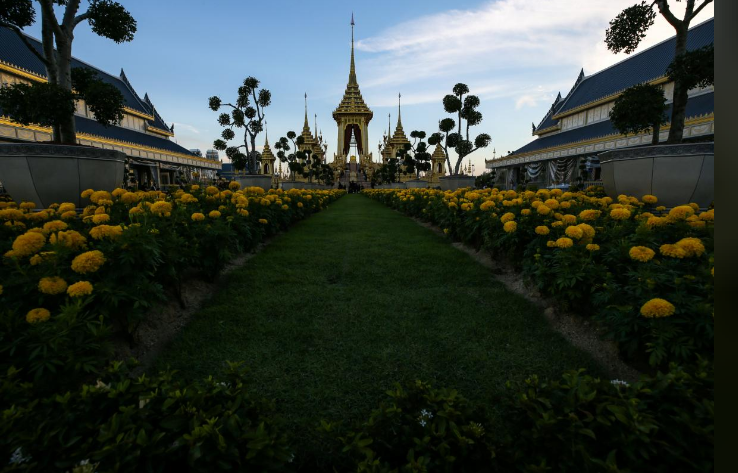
579, 423
141, 424
419, 429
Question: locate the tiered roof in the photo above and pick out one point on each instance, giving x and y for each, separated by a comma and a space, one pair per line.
15, 54
352, 101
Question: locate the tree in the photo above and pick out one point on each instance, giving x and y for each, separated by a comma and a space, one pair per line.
465, 106
687, 70
295, 160
640, 108
53, 103
415, 156
247, 114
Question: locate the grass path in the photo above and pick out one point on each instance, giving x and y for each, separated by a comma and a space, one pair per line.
331, 314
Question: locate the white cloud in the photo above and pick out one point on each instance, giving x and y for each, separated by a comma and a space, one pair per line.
499, 40
187, 128
528, 100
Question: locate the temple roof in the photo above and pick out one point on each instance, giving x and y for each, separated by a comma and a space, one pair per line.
14, 52
438, 153
352, 101
398, 137
644, 66
697, 106
266, 153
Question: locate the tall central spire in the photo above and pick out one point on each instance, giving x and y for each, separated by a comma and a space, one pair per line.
306, 111
352, 72
399, 110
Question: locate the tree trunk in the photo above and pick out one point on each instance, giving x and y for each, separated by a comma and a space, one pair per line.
656, 130
679, 103
67, 129
458, 164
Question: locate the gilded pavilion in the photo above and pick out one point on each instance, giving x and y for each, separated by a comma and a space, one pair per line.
353, 162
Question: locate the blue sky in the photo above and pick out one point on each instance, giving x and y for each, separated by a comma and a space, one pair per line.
515, 54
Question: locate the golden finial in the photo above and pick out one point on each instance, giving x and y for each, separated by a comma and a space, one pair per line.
352, 72
306, 110
399, 110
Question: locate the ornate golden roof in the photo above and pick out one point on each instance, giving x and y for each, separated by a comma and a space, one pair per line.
438, 153
352, 101
398, 137
266, 153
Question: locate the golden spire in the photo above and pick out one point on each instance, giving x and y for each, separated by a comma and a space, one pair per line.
399, 111
352, 71
438, 153
306, 126
352, 102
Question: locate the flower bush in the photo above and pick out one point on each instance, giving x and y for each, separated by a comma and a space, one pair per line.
68, 281
157, 423
645, 273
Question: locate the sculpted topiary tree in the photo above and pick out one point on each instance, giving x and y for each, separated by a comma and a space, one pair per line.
295, 160
247, 114
688, 70
465, 106
639, 109
53, 103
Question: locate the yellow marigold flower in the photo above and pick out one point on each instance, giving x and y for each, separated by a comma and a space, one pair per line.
574, 232
41, 257
54, 226
649, 199
696, 223
27, 205
452, 205
285, 207
11, 214
106, 231
557, 224
694, 206
525, 212
243, 212
88, 262
69, 215
535, 204
98, 196
265, 202
100, 210
657, 308
641, 253
708, 216
197, 217
194, 187
589, 231
691, 246
87, 193
445, 231
543, 209
655, 222
552, 204
28, 244
486, 205
507, 217
307, 197
543, 230
37, 315
681, 212
52, 285
593, 247
211, 190
214, 214
161, 208
510, 226
564, 242
100, 218
135, 210
263, 221
79, 289
672, 251
620, 214
70, 238
66, 207
234, 186
299, 204
569, 219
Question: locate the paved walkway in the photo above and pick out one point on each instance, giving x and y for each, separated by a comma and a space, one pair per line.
332, 313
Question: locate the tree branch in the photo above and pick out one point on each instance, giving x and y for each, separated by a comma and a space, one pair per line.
663, 6
23, 38
69, 15
47, 9
80, 18
699, 8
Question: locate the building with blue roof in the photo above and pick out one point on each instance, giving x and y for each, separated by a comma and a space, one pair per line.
577, 128
142, 135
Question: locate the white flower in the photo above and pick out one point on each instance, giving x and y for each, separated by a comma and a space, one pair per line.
422, 422
17, 457
427, 414
619, 381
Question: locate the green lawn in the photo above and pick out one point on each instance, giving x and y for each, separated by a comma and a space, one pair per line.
331, 314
